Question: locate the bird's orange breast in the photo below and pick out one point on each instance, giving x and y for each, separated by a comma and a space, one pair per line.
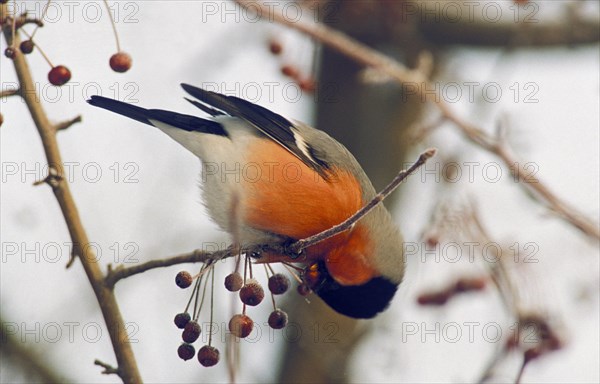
283, 195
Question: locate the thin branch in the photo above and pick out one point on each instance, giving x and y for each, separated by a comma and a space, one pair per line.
372, 58
23, 20
20, 21
53, 179
197, 256
67, 123
128, 370
486, 34
10, 92
312, 240
41, 18
108, 369
292, 250
521, 371
499, 273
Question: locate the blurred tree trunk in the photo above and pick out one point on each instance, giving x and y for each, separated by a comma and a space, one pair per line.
370, 120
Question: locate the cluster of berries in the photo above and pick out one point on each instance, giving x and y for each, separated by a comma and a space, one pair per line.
306, 83
207, 355
59, 74
251, 293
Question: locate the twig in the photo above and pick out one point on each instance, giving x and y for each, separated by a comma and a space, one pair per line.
567, 31
128, 371
53, 178
108, 369
521, 371
197, 256
21, 21
41, 18
499, 272
10, 92
292, 250
312, 240
372, 58
66, 124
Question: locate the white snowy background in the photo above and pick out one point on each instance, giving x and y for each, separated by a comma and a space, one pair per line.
146, 198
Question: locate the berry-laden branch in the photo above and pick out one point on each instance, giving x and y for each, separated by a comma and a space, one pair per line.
127, 366
292, 250
372, 58
197, 256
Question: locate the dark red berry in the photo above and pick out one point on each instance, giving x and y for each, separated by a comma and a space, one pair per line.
183, 279
208, 356
186, 351
241, 325
434, 298
432, 241
307, 85
59, 75
181, 319
191, 332
27, 46
10, 52
278, 319
290, 71
275, 47
470, 284
120, 62
233, 282
252, 293
279, 283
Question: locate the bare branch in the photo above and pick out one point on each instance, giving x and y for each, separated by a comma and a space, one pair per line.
293, 250
312, 240
66, 124
108, 369
10, 92
53, 179
197, 256
128, 370
512, 35
395, 70
21, 21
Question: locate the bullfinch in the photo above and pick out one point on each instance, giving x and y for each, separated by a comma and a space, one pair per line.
289, 181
